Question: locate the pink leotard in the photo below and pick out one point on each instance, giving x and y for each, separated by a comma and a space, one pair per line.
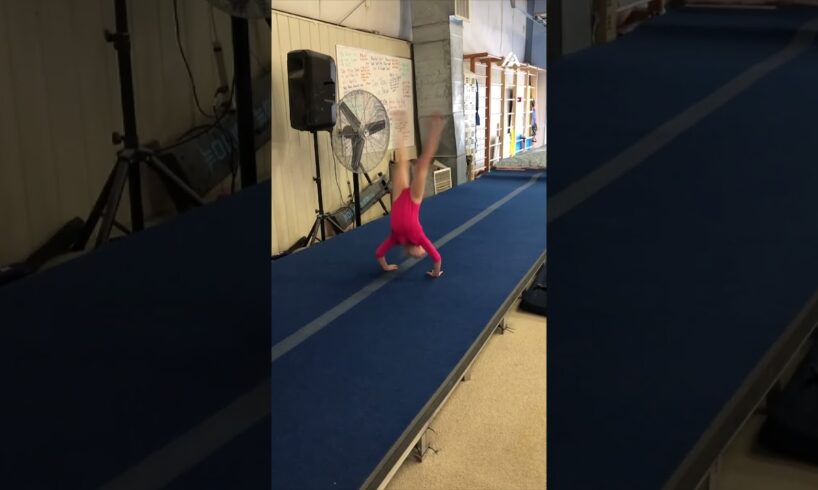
406, 227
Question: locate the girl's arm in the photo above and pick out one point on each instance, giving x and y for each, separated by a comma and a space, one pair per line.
434, 255
386, 266
436, 270
380, 254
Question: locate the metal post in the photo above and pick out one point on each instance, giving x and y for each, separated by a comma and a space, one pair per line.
318, 185
422, 445
244, 101
122, 44
356, 192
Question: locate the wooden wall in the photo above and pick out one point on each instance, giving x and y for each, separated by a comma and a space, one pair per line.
59, 103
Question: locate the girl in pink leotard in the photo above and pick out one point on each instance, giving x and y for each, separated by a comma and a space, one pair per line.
405, 216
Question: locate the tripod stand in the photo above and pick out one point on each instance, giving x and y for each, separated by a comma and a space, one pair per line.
321, 217
131, 156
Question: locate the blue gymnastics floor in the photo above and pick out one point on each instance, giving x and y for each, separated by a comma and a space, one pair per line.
111, 356
650, 76
669, 285
344, 396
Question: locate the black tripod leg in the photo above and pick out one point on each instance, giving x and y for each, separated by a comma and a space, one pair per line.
160, 168
301, 243
114, 197
135, 192
383, 206
119, 226
380, 201
96, 212
335, 225
312, 236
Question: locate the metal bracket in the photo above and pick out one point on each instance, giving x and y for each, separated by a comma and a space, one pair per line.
769, 398
711, 480
120, 40
715, 473
504, 326
424, 445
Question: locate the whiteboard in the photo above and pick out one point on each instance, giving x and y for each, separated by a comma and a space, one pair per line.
387, 77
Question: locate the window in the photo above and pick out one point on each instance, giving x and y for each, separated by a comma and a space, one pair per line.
462, 9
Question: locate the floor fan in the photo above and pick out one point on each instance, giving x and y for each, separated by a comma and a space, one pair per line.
360, 137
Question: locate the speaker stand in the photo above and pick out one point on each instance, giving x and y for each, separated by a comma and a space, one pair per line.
131, 157
244, 101
318, 226
107, 204
356, 197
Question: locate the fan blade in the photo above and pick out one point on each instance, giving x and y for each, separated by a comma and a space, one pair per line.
356, 124
357, 153
376, 126
348, 132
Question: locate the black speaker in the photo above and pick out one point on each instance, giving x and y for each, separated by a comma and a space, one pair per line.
312, 90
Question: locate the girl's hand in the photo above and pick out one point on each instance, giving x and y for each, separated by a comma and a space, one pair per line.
436, 272
385, 266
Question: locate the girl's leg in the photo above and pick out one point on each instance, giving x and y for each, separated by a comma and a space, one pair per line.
425, 159
400, 173
419, 179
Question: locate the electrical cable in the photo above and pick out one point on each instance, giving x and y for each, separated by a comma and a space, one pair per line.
232, 143
338, 184
217, 114
183, 140
234, 164
184, 59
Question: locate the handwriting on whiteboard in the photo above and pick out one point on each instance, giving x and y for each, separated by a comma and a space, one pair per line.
387, 77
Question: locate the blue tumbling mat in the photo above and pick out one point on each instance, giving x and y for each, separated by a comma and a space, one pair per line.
345, 395
670, 284
111, 356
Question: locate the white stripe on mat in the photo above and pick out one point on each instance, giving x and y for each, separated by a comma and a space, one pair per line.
313, 327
